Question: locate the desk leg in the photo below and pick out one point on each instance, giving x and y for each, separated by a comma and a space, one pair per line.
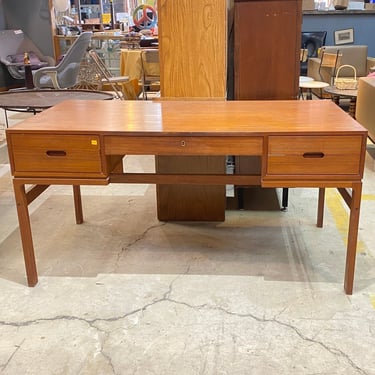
322, 193
25, 231
352, 237
78, 204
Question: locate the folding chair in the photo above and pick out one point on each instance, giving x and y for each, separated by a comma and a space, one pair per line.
106, 77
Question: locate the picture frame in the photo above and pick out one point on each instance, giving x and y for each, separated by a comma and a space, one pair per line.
344, 36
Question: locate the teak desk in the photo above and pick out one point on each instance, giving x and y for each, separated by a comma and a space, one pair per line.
301, 144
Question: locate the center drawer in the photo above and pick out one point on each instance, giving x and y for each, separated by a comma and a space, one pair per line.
314, 155
200, 145
56, 155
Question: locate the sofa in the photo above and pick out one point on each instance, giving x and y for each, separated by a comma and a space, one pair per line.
355, 55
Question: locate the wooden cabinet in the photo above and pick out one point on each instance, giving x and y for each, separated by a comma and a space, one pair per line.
267, 36
192, 41
192, 45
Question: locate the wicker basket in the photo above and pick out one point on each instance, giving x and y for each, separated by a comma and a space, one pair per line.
346, 83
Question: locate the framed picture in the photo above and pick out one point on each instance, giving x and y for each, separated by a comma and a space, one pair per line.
345, 36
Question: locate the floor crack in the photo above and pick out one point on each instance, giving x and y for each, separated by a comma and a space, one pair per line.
125, 249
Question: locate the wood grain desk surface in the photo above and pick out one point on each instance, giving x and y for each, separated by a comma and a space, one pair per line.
193, 118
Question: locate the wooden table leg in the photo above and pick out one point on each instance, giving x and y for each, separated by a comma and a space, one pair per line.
319, 222
78, 204
352, 106
25, 231
352, 237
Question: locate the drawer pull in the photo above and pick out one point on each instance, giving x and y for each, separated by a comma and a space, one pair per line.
56, 153
313, 155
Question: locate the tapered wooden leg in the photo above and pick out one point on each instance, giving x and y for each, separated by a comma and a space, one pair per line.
25, 231
78, 204
351, 251
319, 221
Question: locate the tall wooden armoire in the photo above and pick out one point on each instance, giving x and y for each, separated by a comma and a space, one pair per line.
192, 46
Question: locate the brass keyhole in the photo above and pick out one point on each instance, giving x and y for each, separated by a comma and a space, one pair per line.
183, 143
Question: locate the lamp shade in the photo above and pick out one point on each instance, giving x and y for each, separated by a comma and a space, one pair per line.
61, 5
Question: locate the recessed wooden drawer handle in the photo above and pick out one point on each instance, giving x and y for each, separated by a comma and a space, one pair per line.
56, 153
312, 155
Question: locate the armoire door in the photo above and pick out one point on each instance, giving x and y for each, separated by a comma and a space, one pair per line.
267, 35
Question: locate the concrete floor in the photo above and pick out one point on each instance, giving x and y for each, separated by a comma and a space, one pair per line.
261, 293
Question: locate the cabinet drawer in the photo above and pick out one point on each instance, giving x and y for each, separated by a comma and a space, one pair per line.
55, 155
164, 145
315, 155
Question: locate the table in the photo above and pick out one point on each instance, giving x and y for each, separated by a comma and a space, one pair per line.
337, 94
37, 100
309, 85
301, 144
131, 63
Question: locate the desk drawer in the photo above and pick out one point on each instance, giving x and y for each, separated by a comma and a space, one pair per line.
314, 155
116, 145
56, 155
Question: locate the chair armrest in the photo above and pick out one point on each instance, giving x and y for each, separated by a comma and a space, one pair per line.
49, 71
8, 63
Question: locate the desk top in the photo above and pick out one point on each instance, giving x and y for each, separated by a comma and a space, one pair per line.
192, 118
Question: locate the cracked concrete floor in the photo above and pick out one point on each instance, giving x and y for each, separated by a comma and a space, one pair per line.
261, 293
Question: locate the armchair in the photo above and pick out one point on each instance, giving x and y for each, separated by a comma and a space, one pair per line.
355, 55
65, 73
13, 45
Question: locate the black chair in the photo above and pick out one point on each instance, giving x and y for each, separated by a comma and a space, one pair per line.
311, 41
